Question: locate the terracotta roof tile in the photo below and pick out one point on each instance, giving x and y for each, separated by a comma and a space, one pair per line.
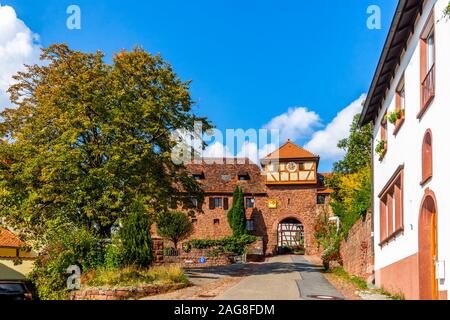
290, 151
221, 175
9, 239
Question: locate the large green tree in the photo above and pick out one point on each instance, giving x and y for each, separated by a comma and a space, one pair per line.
85, 137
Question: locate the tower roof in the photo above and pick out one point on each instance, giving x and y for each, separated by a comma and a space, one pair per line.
290, 150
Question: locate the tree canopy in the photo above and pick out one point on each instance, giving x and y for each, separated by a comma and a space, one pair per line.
351, 178
175, 226
85, 137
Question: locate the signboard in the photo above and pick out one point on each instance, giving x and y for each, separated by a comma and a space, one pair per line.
272, 204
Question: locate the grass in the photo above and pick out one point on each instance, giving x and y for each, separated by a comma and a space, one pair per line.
390, 295
341, 273
130, 276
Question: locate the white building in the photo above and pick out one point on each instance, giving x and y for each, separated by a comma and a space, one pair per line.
408, 105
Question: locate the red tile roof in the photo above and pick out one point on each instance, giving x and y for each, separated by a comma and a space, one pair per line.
9, 239
221, 175
291, 151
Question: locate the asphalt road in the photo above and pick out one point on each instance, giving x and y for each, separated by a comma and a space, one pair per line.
283, 278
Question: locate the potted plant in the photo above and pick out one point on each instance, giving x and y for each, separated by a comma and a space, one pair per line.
380, 148
394, 116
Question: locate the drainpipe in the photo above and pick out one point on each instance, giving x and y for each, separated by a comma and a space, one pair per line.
372, 205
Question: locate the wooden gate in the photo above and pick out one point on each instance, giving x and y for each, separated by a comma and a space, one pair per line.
291, 233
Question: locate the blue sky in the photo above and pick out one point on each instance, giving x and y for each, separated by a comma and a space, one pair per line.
250, 61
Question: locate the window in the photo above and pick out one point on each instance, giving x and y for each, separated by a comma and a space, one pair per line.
251, 225
427, 157
249, 202
400, 105
215, 202
226, 177
198, 176
391, 208
243, 177
216, 222
218, 202
193, 203
321, 199
427, 65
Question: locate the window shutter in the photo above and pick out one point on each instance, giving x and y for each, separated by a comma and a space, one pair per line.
199, 205
211, 203
225, 203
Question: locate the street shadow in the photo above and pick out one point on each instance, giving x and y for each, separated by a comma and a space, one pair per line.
243, 270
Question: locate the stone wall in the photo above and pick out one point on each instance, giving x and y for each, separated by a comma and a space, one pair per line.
193, 260
124, 293
357, 249
190, 259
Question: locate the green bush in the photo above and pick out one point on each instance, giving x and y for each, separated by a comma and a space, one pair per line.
331, 254
235, 245
113, 256
67, 247
137, 244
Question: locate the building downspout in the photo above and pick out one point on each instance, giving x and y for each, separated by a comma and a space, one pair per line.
372, 205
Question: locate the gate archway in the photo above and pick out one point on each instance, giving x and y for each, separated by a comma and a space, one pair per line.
291, 233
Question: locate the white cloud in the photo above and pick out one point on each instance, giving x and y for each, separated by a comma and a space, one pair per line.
324, 142
217, 150
295, 124
250, 150
18, 46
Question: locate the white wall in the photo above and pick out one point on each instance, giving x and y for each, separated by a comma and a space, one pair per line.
406, 147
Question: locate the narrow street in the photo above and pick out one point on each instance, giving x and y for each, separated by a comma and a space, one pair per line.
279, 278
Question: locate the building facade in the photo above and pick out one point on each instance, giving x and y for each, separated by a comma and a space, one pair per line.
408, 104
12, 250
283, 197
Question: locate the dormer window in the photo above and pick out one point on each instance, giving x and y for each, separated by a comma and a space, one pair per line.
243, 177
198, 176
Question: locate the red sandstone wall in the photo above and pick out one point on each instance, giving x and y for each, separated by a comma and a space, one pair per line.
292, 202
357, 250
401, 278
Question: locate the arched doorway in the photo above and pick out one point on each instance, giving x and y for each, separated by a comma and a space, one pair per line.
291, 234
428, 246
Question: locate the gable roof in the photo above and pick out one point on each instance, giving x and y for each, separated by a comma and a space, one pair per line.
290, 150
402, 26
9, 240
220, 175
